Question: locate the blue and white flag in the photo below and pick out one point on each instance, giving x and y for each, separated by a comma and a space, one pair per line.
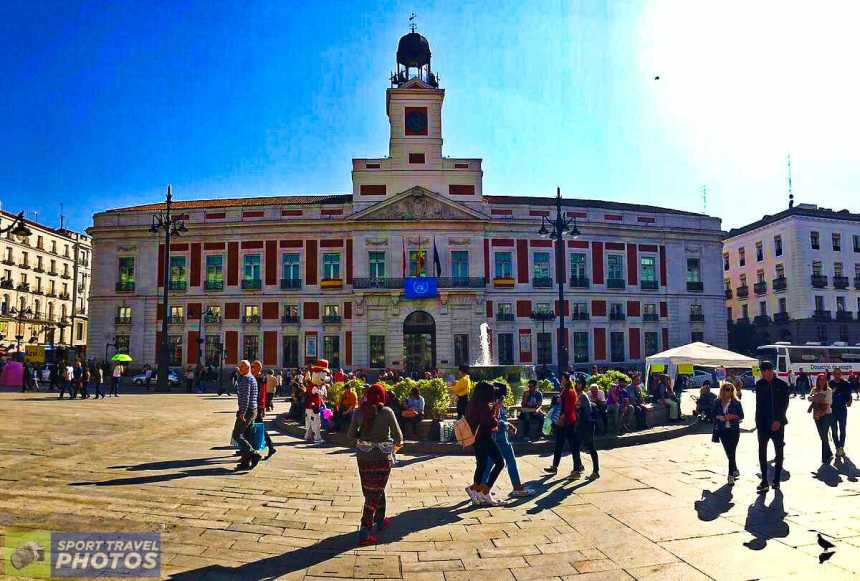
420, 287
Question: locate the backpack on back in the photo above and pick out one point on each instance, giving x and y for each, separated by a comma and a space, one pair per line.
463, 432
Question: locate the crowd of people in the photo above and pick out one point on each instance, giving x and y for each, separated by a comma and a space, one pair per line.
76, 378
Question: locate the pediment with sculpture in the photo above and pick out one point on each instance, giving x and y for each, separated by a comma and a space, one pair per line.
418, 203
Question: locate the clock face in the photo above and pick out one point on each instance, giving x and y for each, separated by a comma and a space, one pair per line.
416, 121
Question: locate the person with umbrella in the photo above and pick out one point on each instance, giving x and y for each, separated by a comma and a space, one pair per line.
117, 372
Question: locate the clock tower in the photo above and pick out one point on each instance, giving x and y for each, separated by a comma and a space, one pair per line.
413, 104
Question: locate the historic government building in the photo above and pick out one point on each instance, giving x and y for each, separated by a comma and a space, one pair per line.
403, 271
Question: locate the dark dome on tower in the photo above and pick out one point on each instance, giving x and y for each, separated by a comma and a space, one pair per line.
413, 51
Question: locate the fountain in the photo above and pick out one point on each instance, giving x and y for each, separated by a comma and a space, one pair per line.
486, 359
483, 368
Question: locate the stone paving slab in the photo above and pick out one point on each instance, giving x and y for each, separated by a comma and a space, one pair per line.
660, 510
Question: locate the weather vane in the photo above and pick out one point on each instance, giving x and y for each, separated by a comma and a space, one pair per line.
412, 21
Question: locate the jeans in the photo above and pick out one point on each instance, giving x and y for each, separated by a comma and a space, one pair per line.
510, 461
840, 421
114, 386
567, 433
526, 420
67, 386
242, 431
729, 440
462, 402
778, 437
824, 424
487, 450
98, 387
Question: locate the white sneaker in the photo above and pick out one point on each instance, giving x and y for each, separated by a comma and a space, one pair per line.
487, 499
473, 494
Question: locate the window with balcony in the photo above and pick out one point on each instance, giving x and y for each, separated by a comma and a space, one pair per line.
376, 265
694, 274
817, 269
615, 270
742, 256
291, 313
460, 264
544, 348
837, 269
174, 349
580, 311
759, 275
504, 265
54, 246
53, 269
696, 312
777, 245
121, 343
123, 315
819, 303
578, 276
616, 312
505, 312
331, 349
759, 251
126, 273
648, 269
836, 241
251, 314
762, 308
580, 347
177, 314
543, 308
506, 348
331, 314
840, 304
331, 266
649, 312
178, 273
250, 347
214, 272
814, 240
541, 277
743, 279
251, 271
212, 314
650, 339
377, 351
780, 270
616, 346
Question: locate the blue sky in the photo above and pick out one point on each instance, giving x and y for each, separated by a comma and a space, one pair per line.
105, 103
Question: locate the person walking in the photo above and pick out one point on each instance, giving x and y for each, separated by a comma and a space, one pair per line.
68, 375
377, 437
76, 379
461, 389
98, 379
83, 380
841, 402
771, 404
586, 425
821, 407
728, 413
262, 395
504, 444
245, 415
482, 413
802, 383
115, 376
565, 430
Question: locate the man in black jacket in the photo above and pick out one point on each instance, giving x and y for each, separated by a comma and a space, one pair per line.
771, 403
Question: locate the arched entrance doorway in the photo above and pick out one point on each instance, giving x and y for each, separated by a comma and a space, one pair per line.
419, 342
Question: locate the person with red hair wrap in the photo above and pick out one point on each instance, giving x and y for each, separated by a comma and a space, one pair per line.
377, 437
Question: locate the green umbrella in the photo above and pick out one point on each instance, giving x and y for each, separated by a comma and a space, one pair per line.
122, 357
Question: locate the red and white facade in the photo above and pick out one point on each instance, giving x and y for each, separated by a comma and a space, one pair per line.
310, 276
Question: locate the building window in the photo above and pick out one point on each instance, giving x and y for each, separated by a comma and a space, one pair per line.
331, 350
544, 348
616, 311
177, 271
580, 311
460, 264
250, 347
121, 343
650, 343
780, 270
291, 312
819, 303
577, 265
648, 269
377, 351
856, 239
726, 261
461, 350
649, 310
376, 264
252, 314
762, 308
506, 348
291, 351
331, 266
837, 269
836, 239
694, 270
697, 336
504, 265
174, 349
743, 280
777, 245
290, 266
418, 262
540, 263
580, 347
416, 158
696, 311
843, 333
782, 304
123, 314
251, 267
544, 308
177, 314
616, 346
212, 350
759, 252
126, 271
742, 257
816, 268
840, 304
615, 266
813, 240
331, 311
215, 270
759, 276
745, 312
505, 311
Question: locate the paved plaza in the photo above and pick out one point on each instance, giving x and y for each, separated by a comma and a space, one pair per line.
160, 463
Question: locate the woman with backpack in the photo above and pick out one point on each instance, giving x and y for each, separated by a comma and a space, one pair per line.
585, 426
377, 437
482, 415
565, 430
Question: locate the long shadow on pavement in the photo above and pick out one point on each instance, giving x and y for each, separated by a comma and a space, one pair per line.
713, 504
157, 477
766, 521
402, 525
169, 464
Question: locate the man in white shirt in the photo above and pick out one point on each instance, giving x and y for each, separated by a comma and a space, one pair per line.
68, 373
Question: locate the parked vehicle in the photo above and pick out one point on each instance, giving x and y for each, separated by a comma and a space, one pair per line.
700, 378
140, 379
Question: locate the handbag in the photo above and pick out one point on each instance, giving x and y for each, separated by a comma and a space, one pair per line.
715, 435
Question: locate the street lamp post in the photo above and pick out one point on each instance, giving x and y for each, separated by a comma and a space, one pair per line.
556, 229
20, 316
171, 226
200, 342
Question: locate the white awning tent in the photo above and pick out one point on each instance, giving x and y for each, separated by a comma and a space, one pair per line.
701, 354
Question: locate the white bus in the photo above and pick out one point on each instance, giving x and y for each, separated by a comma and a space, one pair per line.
811, 358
